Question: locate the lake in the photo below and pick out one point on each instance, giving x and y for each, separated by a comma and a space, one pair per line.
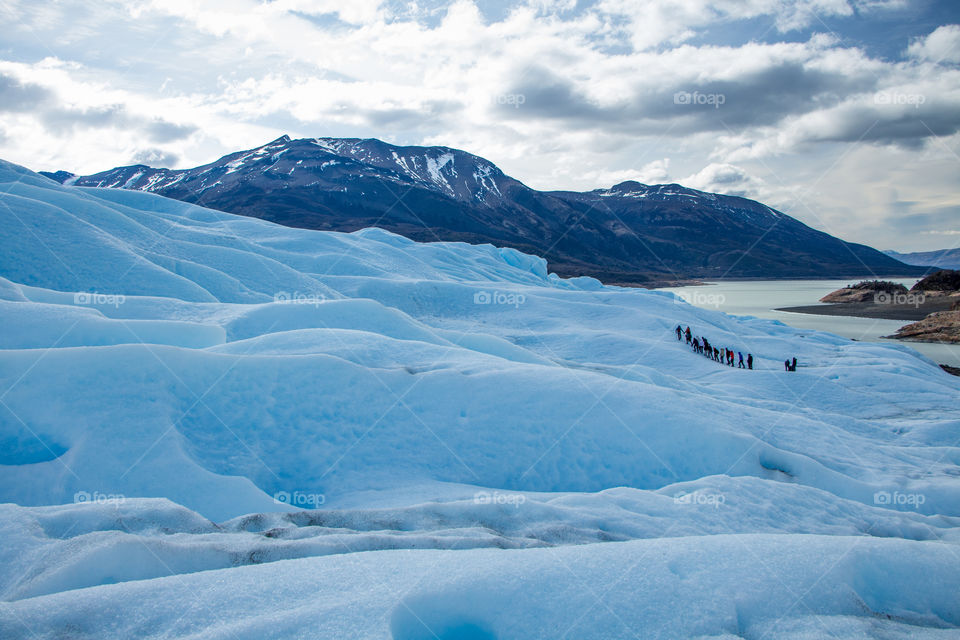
760, 298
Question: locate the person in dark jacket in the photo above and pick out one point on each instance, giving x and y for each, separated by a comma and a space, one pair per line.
679, 333
786, 365
793, 367
749, 361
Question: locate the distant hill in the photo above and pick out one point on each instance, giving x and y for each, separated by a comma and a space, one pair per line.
631, 233
943, 258
945, 280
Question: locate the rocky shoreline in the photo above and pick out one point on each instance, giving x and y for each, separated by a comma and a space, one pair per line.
943, 326
907, 312
932, 306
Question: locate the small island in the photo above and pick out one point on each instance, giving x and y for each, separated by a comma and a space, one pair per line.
932, 306
866, 291
942, 287
884, 300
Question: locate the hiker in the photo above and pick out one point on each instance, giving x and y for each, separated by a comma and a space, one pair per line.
786, 365
793, 367
722, 355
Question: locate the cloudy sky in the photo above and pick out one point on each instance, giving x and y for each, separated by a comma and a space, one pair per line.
843, 113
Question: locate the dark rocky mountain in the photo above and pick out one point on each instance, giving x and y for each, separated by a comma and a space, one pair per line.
942, 258
629, 234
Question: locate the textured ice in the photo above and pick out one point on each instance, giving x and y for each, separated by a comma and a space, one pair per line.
185, 393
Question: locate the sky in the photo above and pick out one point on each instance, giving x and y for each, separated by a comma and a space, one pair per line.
842, 113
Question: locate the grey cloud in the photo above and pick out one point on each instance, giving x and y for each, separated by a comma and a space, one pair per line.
21, 97
18, 96
155, 158
546, 95
730, 175
724, 178
758, 99
163, 131
407, 118
61, 119
906, 128
944, 218
755, 99
394, 117
764, 97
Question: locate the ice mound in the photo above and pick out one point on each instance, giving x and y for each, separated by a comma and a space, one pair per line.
185, 393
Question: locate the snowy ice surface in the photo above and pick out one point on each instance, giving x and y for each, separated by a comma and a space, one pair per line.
213, 426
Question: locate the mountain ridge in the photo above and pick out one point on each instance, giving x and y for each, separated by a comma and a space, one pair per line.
630, 233
940, 258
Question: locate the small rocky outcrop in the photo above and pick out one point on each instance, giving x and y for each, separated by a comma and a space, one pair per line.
943, 326
943, 282
865, 291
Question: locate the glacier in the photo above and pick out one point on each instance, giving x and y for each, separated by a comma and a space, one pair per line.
217, 427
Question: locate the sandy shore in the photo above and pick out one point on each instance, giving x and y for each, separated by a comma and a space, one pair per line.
907, 312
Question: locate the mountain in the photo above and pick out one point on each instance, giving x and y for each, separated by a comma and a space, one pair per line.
943, 258
631, 233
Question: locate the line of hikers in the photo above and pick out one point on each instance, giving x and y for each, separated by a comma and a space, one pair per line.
721, 354
718, 354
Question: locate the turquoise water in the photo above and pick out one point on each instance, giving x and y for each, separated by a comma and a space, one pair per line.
760, 298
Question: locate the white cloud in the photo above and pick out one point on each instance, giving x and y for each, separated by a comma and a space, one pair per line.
725, 178
942, 45
656, 172
559, 95
651, 23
